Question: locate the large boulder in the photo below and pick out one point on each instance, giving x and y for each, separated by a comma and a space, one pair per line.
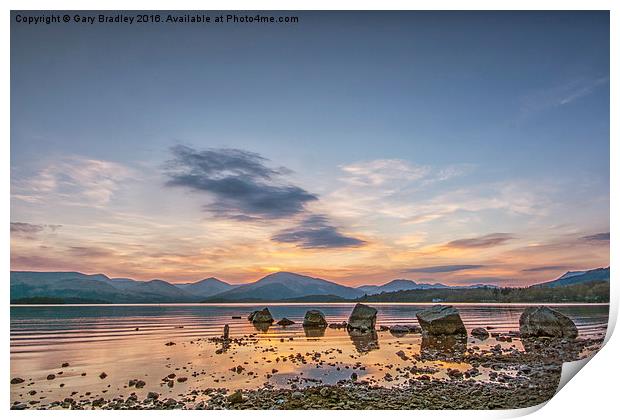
261, 317
542, 321
441, 320
362, 318
315, 319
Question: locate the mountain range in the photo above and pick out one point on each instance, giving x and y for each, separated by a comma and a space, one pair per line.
578, 277
75, 287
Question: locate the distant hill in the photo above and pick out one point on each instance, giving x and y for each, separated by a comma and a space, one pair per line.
285, 285
578, 277
399, 284
65, 285
207, 287
74, 287
404, 284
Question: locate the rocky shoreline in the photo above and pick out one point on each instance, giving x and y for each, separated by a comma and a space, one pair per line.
474, 375
430, 395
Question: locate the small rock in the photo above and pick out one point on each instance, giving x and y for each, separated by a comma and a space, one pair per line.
103, 375
399, 329
235, 398
480, 333
285, 322
16, 381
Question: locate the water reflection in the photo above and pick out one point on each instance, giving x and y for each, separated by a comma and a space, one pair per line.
262, 326
313, 332
547, 348
364, 342
443, 347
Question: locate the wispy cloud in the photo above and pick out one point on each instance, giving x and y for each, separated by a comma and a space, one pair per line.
486, 241
89, 252
397, 172
545, 268
560, 95
74, 180
30, 230
381, 171
239, 183
316, 232
444, 268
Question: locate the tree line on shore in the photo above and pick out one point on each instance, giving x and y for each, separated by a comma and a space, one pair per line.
593, 292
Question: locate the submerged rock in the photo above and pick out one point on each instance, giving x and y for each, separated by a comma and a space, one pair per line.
441, 320
261, 317
362, 318
480, 333
315, 319
542, 321
285, 321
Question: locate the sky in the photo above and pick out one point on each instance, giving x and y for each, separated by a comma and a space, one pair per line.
459, 147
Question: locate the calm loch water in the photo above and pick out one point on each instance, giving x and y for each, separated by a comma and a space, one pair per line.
129, 342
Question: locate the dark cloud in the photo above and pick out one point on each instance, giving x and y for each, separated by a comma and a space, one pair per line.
485, 241
30, 229
241, 184
443, 268
544, 268
604, 236
316, 232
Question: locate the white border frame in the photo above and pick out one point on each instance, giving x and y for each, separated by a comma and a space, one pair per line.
592, 394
